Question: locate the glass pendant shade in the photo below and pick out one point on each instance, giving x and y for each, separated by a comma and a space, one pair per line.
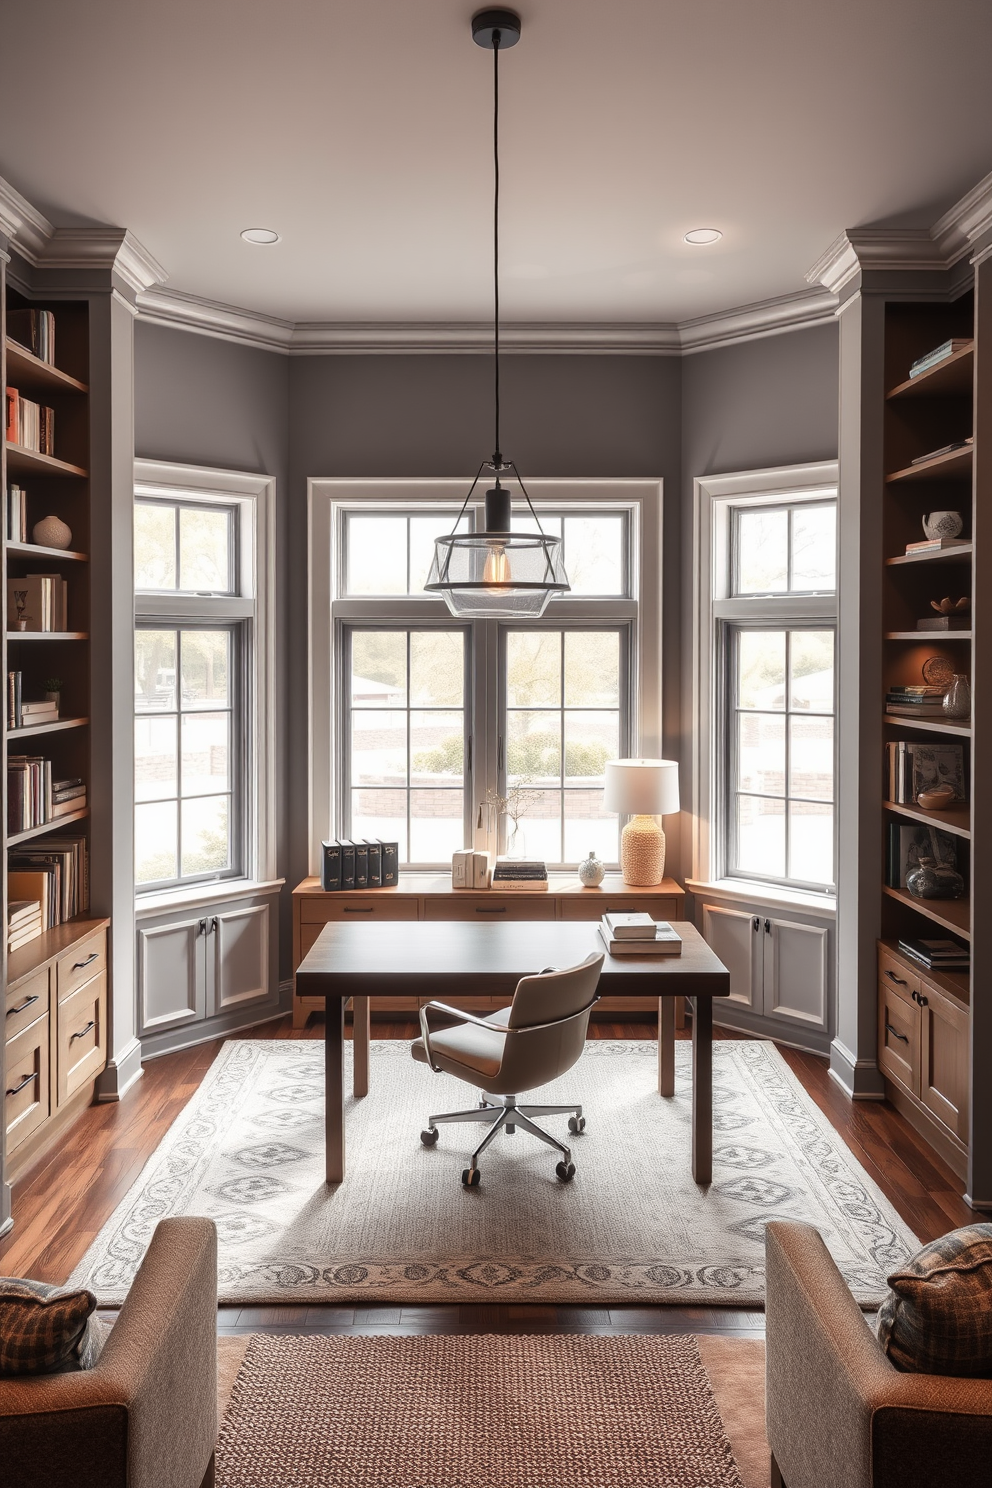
497, 574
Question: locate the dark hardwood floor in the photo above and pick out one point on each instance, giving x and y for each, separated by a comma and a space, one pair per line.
60, 1206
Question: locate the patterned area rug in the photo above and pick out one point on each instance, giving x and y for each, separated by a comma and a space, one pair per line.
479, 1412
631, 1227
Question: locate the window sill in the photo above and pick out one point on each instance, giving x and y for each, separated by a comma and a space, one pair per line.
824, 905
191, 896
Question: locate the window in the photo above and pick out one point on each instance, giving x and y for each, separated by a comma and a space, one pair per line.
198, 673
765, 697
432, 718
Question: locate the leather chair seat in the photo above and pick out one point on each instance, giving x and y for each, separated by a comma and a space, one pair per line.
467, 1051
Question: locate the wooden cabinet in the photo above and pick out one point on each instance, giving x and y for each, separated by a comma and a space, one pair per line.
432, 898
923, 1051
55, 1038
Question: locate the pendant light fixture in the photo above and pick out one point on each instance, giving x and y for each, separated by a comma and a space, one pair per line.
497, 573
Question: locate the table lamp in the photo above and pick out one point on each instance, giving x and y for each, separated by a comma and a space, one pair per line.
642, 789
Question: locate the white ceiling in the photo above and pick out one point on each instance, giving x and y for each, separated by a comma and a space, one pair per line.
360, 130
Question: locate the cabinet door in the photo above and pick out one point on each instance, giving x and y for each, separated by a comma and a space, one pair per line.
731, 934
171, 975
796, 969
944, 1060
237, 950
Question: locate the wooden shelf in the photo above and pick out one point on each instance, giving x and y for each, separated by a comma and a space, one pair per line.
30, 729
30, 462
48, 635
938, 555
36, 550
953, 819
928, 635
952, 914
956, 465
52, 826
929, 725
49, 945
24, 369
954, 375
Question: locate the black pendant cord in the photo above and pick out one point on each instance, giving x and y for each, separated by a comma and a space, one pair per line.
497, 456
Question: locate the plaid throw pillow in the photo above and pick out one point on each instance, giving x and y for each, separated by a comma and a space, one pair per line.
41, 1326
937, 1319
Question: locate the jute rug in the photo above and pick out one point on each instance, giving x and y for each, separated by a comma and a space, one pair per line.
631, 1227
477, 1412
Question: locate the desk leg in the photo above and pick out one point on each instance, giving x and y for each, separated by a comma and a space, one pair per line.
666, 1045
361, 1034
334, 1089
702, 1090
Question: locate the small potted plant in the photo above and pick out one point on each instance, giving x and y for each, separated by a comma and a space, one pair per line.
53, 690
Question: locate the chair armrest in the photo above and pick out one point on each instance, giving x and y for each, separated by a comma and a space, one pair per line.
460, 1016
146, 1415
837, 1410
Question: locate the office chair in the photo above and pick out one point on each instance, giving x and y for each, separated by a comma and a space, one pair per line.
528, 1044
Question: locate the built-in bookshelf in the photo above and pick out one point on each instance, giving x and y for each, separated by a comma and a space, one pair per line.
929, 457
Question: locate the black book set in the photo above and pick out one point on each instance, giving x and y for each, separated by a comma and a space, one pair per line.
365, 863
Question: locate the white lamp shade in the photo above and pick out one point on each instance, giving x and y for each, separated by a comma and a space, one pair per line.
642, 787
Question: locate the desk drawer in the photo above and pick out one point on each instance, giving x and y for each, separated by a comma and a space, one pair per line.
81, 964
357, 907
27, 1093
81, 1036
489, 907
25, 1003
581, 907
897, 977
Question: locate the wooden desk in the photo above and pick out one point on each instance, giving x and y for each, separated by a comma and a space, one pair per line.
439, 960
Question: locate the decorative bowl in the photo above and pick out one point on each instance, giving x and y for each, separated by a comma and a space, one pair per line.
936, 798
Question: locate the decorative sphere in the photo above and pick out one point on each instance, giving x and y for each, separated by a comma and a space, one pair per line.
591, 871
52, 532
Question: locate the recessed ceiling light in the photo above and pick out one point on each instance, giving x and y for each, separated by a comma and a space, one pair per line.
260, 235
703, 235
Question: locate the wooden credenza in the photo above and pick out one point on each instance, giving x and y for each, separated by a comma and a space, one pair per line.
55, 1036
424, 897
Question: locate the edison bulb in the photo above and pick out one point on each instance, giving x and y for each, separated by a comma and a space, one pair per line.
497, 569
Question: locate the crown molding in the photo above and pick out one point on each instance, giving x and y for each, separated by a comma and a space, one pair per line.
795, 312
875, 248
965, 223
174, 308
103, 247
477, 337
25, 228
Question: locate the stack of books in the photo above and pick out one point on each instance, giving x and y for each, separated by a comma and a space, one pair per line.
520, 875
29, 424
17, 514
67, 796
34, 798
34, 330
24, 922
37, 602
469, 869
945, 449
55, 873
939, 354
937, 955
937, 544
359, 863
915, 702
633, 934
21, 714
913, 768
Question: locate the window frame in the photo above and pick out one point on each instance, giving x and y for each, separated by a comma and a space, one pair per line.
715, 609
251, 611
330, 498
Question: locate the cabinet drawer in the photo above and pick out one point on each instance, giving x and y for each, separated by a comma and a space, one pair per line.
25, 1003
345, 906
27, 1098
897, 977
79, 965
489, 906
593, 906
899, 1038
81, 1036
944, 1060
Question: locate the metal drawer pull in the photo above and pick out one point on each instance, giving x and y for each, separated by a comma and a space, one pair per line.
500, 910
83, 1031
25, 1004
78, 965
26, 1081
895, 1034
900, 981
359, 908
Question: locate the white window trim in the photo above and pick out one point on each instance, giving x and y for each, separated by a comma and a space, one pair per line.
713, 498
326, 496
256, 496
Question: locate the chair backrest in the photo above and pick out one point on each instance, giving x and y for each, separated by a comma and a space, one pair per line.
548, 1023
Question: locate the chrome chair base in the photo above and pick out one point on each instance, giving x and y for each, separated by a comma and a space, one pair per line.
508, 1116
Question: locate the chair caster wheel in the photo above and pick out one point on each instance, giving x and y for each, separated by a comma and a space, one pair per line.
430, 1136
576, 1124
565, 1171
471, 1176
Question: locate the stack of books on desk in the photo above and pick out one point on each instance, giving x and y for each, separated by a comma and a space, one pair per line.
24, 922
520, 875
633, 934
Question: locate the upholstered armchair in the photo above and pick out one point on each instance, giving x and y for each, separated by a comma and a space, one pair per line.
838, 1412
146, 1415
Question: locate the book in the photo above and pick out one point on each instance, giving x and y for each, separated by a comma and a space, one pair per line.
937, 544
390, 863
519, 869
361, 863
521, 885
29, 603
462, 868
35, 331
66, 808
480, 870
33, 884
347, 862
30, 425
665, 942
14, 701
944, 622
330, 865
939, 354
17, 514
375, 862
937, 953
632, 925
928, 710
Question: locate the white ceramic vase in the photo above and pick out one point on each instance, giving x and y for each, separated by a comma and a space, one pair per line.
591, 871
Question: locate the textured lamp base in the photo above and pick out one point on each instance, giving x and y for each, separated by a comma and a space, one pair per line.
642, 852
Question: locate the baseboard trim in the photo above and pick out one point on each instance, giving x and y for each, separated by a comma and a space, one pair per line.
859, 1078
205, 1034
120, 1074
984, 1206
